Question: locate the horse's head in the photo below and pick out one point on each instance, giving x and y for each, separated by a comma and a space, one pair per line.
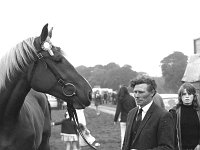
51, 73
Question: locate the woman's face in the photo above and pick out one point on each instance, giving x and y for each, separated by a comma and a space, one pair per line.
187, 98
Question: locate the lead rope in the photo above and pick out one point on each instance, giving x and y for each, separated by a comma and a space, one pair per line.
73, 115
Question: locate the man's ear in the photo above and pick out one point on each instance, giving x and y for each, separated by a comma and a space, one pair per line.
153, 93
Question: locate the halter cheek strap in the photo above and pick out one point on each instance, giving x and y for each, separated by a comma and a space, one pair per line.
41, 55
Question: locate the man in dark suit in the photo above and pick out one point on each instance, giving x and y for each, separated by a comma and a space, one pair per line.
152, 127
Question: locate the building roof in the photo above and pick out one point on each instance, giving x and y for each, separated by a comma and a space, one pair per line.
192, 71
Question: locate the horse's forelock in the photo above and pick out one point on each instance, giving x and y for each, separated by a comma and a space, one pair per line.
17, 58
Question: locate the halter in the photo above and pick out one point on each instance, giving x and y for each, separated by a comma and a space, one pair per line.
47, 48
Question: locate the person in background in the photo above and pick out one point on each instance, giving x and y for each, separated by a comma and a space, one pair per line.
186, 116
125, 103
105, 98
97, 102
68, 132
148, 125
158, 100
113, 97
60, 103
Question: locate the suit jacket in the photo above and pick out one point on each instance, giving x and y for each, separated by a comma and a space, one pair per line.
156, 130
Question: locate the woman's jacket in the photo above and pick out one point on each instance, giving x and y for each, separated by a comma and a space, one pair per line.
124, 105
176, 113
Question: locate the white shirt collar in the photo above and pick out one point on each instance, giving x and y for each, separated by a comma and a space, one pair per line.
145, 109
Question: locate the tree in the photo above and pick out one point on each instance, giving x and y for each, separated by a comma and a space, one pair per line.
84, 71
111, 66
160, 84
173, 67
108, 76
118, 76
97, 76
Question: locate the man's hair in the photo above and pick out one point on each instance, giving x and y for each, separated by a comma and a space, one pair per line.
146, 80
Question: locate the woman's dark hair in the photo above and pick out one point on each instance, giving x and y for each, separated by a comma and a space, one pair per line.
144, 79
123, 91
190, 90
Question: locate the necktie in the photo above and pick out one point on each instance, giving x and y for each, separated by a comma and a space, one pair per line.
137, 123
139, 116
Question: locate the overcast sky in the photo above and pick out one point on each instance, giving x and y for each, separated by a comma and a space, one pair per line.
139, 33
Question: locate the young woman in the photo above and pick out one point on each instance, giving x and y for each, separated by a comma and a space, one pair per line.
97, 102
186, 116
125, 102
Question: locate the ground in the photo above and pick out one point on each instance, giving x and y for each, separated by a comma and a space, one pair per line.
101, 127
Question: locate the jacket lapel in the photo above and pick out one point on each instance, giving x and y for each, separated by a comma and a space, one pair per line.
144, 121
134, 115
129, 125
132, 120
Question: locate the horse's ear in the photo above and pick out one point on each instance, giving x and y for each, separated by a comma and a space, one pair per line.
44, 33
50, 32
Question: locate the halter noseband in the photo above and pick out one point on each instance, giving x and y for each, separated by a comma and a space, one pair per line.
69, 84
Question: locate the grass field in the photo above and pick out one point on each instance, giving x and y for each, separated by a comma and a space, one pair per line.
101, 127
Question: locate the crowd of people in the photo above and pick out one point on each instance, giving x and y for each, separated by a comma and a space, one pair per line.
146, 124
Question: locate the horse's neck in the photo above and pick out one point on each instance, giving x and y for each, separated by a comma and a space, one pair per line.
12, 98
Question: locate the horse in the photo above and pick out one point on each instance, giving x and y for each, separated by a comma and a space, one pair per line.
32, 66
35, 114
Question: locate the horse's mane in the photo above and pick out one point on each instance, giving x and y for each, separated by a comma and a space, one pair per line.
16, 59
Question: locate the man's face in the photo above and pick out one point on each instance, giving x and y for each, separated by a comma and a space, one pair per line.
141, 94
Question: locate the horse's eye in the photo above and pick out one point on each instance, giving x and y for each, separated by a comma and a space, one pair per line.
57, 59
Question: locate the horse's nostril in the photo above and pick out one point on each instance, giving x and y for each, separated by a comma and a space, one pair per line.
90, 96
